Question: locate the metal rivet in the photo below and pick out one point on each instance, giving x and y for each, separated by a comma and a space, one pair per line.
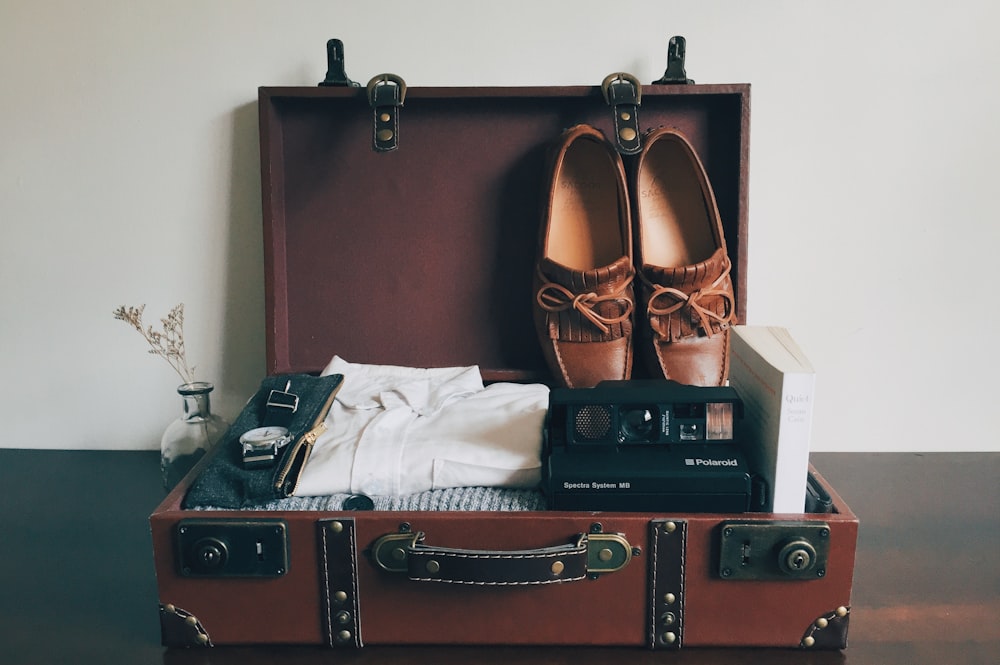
670, 599
605, 554
557, 567
384, 135
399, 554
669, 638
668, 618
627, 134
343, 617
433, 566
202, 638
841, 611
344, 636
625, 115
169, 608
191, 620
384, 117
809, 641
340, 597
336, 527
669, 527
822, 622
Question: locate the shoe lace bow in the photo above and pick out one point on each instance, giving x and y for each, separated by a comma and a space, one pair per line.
692, 302
556, 298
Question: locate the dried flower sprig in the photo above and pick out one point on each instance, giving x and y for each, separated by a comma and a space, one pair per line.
168, 344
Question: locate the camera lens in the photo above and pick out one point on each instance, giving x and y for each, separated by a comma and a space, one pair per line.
637, 424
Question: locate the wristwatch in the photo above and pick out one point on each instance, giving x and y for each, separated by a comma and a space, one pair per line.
260, 445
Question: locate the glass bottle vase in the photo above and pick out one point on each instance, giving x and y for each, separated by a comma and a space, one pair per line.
189, 437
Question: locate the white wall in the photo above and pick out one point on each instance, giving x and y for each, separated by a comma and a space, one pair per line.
129, 174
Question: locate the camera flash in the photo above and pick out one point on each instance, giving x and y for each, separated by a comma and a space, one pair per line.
718, 421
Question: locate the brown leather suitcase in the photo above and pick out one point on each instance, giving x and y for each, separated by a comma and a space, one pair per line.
400, 227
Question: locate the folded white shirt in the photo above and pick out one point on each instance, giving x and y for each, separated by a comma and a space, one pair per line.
394, 431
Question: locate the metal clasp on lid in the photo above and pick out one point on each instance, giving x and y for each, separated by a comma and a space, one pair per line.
386, 94
623, 93
621, 78
335, 74
675, 73
374, 88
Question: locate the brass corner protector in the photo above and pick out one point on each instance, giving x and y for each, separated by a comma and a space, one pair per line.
828, 631
180, 628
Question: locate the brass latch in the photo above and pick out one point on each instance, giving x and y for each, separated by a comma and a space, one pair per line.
606, 552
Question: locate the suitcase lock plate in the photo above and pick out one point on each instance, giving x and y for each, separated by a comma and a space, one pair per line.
776, 550
232, 548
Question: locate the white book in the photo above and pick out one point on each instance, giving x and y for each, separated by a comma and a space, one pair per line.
776, 383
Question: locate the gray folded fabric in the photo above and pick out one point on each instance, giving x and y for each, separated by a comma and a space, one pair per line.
459, 499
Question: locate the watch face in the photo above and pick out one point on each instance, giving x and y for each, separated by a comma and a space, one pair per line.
264, 439
260, 446
263, 436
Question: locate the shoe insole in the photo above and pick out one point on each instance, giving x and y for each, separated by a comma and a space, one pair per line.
675, 226
585, 227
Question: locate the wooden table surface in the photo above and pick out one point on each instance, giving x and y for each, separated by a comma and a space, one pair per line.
77, 582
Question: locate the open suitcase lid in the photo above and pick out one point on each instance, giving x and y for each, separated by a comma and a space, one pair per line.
423, 256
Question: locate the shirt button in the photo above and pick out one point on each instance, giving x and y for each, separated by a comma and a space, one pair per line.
358, 502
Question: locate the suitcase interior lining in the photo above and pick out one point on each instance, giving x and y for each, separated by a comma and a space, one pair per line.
424, 256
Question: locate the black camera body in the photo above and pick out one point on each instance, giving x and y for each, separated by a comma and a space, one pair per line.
626, 413
651, 446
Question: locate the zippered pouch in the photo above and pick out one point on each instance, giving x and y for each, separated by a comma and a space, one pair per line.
226, 483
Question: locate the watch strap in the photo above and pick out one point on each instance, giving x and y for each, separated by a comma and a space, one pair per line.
313, 397
280, 406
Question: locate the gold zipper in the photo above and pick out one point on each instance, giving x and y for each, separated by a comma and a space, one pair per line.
303, 446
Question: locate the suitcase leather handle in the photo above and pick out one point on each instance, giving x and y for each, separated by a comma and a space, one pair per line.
586, 556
